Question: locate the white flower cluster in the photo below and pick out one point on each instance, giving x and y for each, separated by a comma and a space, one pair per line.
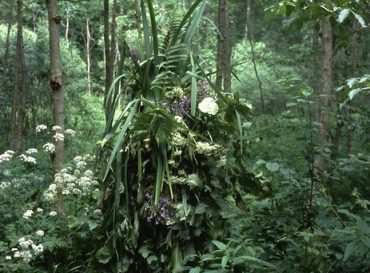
49, 148
40, 128
73, 182
4, 185
6, 156
28, 159
31, 151
178, 140
58, 137
206, 148
28, 214
70, 132
56, 128
27, 249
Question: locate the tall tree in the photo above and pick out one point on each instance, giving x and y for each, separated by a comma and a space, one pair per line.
19, 91
223, 74
251, 17
326, 96
109, 49
56, 81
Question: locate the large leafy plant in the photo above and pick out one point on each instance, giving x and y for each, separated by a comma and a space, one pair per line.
168, 150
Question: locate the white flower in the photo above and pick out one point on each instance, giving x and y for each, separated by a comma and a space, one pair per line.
38, 248
66, 192
77, 159
81, 165
49, 148
40, 233
31, 151
98, 212
53, 213
8, 258
53, 187
206, 148
178, 139
14, 249
39, 210
17, 254
58, 137
56, 128
27, 214
24, 243
70, 132
40, 128
28, 159
7, 155
209, 106
88, 173
26, 256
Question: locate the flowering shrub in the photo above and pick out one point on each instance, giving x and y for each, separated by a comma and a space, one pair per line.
46, 216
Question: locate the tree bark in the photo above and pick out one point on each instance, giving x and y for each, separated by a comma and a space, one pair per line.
251, 16
107, 54
325, 99
7, 39
223, 74
19, 91
56, 81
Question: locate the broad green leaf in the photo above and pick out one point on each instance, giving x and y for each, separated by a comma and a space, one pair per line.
224, 261
219, 245
350, 249
243, 259
103, 255
195, 270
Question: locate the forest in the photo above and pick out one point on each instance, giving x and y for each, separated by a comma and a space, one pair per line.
184, 136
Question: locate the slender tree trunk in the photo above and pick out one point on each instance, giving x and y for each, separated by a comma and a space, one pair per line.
66, 35
107, 54
7, 40
251, 6
19, 91
325, 99
56, 82
251, 16
88, 57
22, 77
223, 74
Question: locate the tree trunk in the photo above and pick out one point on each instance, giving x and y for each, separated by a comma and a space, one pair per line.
251, 6
56, 82
19, 91
107, 54
325, 99
88, 57
223, 74
9, 29
66, 35
251, 16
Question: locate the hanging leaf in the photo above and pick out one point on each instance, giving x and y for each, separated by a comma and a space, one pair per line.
360, 20
343, 15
